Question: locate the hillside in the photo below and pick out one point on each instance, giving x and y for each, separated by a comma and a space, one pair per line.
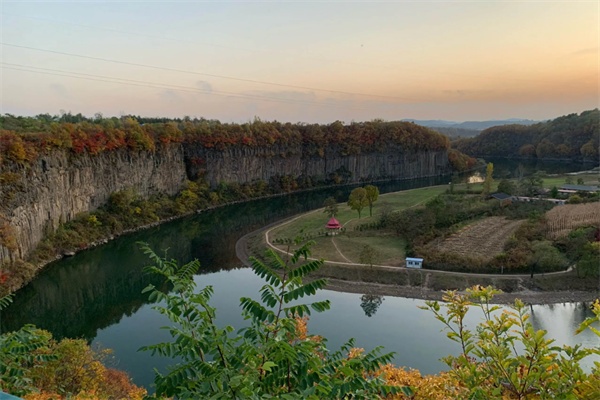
570, 137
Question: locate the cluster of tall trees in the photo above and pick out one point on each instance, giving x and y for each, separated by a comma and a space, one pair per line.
571, 137
363, 197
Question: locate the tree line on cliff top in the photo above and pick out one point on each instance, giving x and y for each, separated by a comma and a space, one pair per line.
23, 139
570, 137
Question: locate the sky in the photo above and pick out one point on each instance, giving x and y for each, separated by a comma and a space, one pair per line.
301, 61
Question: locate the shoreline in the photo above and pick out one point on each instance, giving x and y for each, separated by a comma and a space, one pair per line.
528, 296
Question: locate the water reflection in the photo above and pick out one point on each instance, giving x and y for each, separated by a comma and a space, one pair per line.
370, 303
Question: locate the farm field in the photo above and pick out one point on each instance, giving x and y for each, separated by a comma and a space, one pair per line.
562, 220
483, 239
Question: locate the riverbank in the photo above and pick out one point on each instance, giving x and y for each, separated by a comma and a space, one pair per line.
429, 284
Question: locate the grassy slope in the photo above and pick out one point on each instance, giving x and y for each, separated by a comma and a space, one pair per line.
389, 249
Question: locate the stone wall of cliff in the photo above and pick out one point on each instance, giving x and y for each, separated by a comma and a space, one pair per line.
247, 164
60, 185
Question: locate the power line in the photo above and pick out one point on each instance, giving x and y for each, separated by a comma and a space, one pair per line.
204, 74
61, 22
266, 51
132, 82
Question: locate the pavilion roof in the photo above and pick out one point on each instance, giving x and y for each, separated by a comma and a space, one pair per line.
333, 224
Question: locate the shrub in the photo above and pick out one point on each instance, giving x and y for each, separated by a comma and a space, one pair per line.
506, 357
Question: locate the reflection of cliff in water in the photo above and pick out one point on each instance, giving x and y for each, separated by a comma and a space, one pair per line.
94, 289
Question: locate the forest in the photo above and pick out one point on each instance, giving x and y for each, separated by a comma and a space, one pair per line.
22, 139
570, 137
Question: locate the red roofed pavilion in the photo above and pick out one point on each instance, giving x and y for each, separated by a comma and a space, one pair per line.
333, 225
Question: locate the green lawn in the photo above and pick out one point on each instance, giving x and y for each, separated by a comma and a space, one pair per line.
558, 181
389, 249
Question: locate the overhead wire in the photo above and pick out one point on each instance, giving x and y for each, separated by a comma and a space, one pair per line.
195, 42
133, 82
262, 51
205, 74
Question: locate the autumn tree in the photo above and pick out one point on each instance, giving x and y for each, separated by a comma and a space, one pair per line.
331, 207
372, 196
358, 200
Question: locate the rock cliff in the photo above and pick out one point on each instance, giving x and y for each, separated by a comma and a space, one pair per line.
60, 185
247, 164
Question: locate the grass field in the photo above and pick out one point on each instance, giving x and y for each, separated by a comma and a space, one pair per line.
558, 181
347, 247
314, 222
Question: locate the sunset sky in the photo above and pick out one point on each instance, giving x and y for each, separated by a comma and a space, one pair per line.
302, 61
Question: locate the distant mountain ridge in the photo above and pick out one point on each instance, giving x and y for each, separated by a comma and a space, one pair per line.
472, 125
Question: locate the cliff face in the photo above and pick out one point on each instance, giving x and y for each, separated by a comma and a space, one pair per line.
58, 186
249, 164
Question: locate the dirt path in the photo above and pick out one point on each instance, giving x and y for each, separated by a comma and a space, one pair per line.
338, 250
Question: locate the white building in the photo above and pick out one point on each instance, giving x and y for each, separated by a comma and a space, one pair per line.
414, 262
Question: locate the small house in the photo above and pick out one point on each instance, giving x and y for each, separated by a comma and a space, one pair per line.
414, 262
333, 226
503, 198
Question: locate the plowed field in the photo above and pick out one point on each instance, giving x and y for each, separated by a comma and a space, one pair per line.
485, 238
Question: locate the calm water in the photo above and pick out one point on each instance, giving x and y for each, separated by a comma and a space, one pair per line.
97, 293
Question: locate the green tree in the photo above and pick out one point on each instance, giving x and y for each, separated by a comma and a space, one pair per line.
489, 179
331, 207
506, 186
272, 357
588, 265
547, 257
368, 255
358, 200
531, 185
372, 196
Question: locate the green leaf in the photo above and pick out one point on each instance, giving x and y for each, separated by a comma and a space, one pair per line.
265, 272
268, 365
